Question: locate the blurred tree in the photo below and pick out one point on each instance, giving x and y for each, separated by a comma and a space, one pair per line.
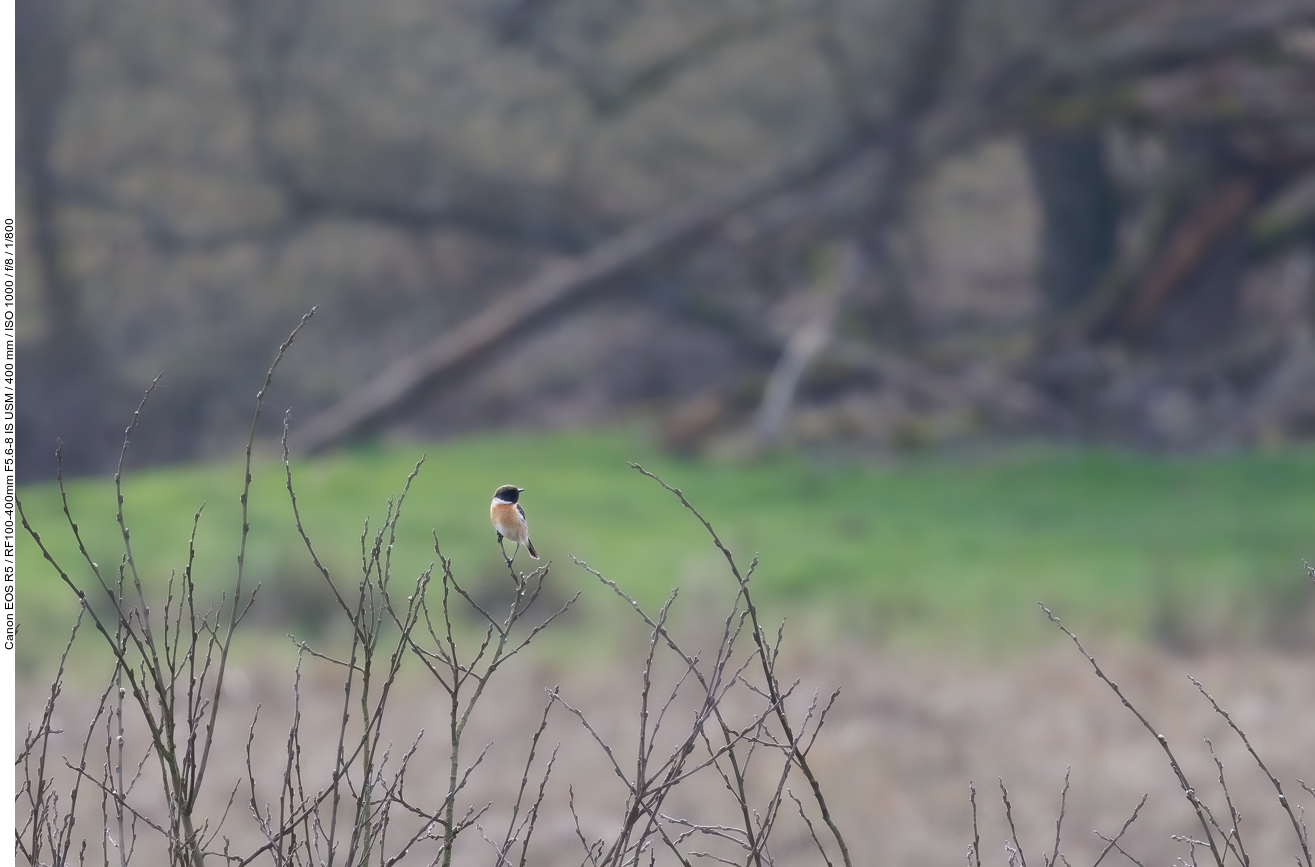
1080, 216
65, 382
198, 175
42, 61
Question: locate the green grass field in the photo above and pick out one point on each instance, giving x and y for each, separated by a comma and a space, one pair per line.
952, 550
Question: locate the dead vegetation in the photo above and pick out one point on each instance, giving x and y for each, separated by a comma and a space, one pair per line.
908, 734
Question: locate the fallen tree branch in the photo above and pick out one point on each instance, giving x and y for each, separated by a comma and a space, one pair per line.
1187, 247
887, 150
923, 129
549, 294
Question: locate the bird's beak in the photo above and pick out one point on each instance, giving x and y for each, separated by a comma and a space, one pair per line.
520, 490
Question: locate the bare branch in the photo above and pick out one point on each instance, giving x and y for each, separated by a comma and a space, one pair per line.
1189, 790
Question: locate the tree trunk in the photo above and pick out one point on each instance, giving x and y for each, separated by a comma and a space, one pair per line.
925, 66
42, 65
1079, 216
65, 390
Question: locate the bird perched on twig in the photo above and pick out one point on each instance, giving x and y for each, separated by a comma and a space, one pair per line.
509, 520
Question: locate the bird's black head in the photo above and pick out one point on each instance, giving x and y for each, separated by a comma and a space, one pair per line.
508, 493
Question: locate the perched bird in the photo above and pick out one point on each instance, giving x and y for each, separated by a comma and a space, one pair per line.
509, 520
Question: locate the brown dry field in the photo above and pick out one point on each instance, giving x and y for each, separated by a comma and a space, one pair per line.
910, 730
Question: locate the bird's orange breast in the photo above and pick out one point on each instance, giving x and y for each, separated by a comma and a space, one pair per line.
508, 521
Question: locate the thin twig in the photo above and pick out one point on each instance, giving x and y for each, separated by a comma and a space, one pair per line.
1063, 801
1278, 787
976, 850
1013, 832
768, 673
1188, 790
1114, 842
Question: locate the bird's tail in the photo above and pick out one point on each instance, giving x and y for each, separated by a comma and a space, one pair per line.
529, 546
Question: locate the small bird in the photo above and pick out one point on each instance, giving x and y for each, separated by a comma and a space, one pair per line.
509, 520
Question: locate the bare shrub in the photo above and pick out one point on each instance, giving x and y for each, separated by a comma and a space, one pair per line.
721, 721
1220, 838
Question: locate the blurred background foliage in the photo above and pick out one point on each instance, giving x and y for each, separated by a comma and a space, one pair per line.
1066, 219
859, 227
